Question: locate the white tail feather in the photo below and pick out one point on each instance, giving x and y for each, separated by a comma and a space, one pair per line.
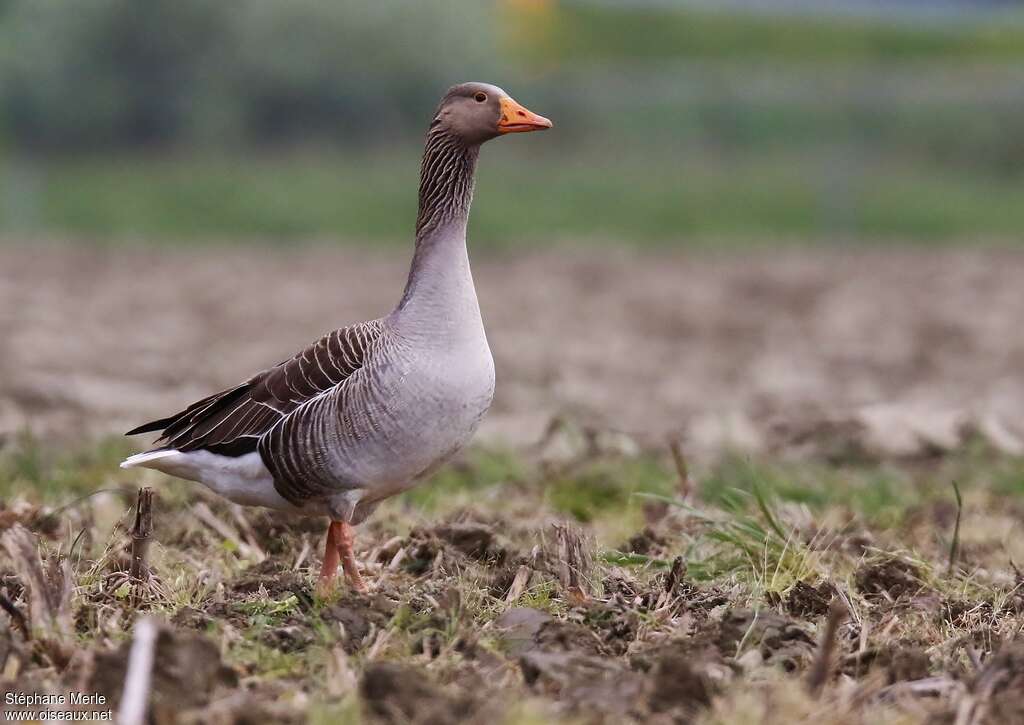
242, 479
145, 460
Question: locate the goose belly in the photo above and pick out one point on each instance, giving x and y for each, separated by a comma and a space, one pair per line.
421, 417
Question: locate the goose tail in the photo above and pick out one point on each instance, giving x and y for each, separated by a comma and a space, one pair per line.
150, 459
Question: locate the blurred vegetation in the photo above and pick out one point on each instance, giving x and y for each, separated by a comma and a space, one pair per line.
125, 74
627, 33
194, 121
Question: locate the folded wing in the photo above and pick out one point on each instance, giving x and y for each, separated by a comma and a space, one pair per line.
232, 421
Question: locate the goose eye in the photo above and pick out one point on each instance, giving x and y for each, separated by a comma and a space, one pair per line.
480, 97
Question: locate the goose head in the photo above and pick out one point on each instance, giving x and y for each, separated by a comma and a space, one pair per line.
478, 112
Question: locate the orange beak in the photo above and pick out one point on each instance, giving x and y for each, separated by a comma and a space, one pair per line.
516, 119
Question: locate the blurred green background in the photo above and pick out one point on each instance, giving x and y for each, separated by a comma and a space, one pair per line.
152, 121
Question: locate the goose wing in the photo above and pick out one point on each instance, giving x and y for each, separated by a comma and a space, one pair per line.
232, 421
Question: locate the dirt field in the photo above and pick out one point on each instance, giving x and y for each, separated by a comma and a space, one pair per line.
507, 591
902, 351
855, 561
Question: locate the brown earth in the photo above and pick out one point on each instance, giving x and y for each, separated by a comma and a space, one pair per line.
437, 640
897, 352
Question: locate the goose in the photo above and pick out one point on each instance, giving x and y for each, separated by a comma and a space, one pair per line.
369, 410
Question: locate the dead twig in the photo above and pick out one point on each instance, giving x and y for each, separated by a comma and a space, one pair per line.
682, 469
379, 641
204, 514
17, 616
554, 425
49, 593
142, 530
672, 580
954, 546
397, 559
82, 499
303, 554
574, 562
942, 686
972, 654
238, 514
341, 679
675, 575
821, 669
519, 584
1003, 671
135, 696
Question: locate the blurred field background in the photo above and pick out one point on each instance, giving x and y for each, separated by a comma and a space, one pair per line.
677, 123
754, 305
182, 154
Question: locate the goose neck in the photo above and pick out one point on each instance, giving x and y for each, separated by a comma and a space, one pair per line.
446, 183
439, 278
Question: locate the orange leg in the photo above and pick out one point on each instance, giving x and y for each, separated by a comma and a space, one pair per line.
330, 566
346, 539
340, 538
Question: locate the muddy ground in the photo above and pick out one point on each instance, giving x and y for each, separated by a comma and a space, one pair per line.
899, 350
837, 538
500, 604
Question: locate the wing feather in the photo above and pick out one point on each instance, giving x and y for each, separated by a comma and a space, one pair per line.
232, 421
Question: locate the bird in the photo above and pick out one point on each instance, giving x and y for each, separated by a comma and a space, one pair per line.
371, 409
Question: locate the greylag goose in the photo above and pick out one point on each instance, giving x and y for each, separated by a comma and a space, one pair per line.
368, 410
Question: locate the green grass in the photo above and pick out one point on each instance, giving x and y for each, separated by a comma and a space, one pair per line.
606, 487
591, 490
477, 470
674, 125
749, 532
679, 198
591, 32
878, 493
45, 473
